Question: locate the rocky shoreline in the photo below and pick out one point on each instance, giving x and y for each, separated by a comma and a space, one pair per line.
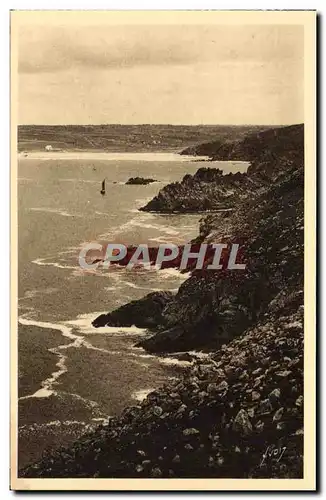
209, 190
245, 399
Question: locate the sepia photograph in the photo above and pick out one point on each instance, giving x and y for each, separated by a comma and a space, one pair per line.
163, 185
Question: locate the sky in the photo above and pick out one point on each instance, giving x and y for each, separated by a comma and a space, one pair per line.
178, 74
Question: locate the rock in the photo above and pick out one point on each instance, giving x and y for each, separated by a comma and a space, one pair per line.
299, 401
265, 407
251, 412
242, 423
156, 472
139, 180
143, 313
255, 395
176, 459
278, 415
185, 356
157, 410
190, 432
283, 373
188, 447
259, 426
223, 386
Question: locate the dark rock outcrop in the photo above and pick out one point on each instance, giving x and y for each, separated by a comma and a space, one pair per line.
270, 152
274, 142
140, 181
212, 307
143, 313
208, 189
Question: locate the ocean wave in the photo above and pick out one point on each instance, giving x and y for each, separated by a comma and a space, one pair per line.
83, 323
30, 294
80, 180
40, 262
165, 229
130, 284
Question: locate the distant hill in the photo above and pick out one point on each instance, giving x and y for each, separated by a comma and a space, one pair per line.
276, 140
124, 138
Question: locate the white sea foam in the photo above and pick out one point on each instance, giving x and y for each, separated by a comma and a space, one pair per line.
47, 386
140, 223
137, 287
79, 180
200, 354
173, 272
40, 262
173, 361
84, 324
57, 211
30, 294
101, 213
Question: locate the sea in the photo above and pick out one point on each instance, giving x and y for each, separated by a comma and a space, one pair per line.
72, 376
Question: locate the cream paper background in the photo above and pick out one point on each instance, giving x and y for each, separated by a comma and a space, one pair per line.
308, 20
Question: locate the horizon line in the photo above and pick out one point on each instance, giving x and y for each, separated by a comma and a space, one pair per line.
156, 124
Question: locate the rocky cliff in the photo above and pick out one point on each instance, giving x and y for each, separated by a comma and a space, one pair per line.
213, 306
207, 189
269, 152
271, 142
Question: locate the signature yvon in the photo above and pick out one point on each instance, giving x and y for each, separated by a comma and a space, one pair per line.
272, 453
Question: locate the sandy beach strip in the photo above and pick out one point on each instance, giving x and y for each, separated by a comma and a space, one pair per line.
100, 155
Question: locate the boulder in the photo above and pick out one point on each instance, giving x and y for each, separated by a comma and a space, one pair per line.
139, 181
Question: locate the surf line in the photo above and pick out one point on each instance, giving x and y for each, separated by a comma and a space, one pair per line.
77, 341
46, 389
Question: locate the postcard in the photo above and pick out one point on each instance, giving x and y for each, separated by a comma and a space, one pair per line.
163, 280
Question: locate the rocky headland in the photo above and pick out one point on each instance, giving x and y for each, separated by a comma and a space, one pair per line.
209, 190
143, 313
140, 181
238, 412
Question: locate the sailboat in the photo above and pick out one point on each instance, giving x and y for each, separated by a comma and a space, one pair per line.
103, 187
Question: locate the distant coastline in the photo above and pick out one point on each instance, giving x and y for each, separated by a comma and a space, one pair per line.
100, 155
